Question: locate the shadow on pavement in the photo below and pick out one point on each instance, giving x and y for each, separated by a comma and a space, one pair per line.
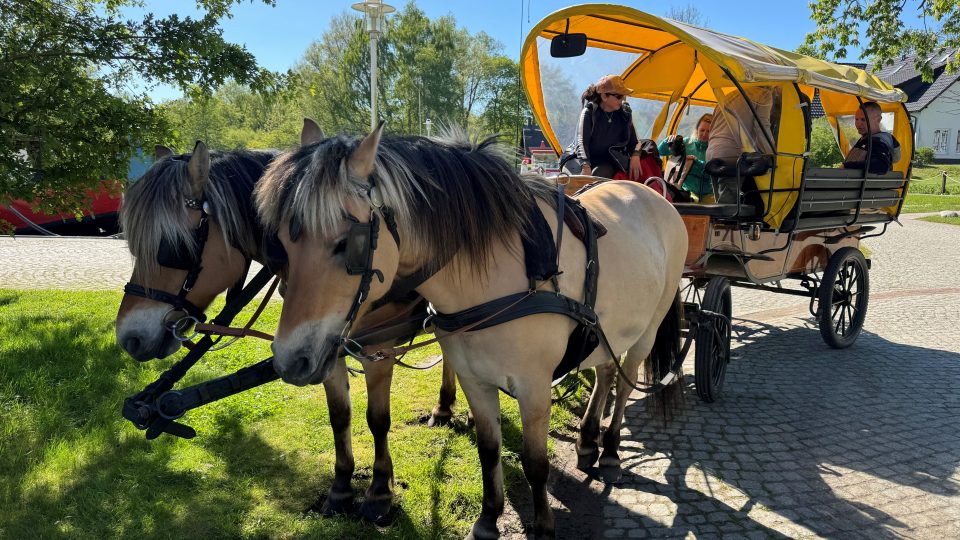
821, 441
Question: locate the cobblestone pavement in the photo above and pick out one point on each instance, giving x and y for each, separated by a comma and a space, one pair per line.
806, 441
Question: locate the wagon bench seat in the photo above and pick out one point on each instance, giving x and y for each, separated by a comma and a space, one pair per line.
714, 210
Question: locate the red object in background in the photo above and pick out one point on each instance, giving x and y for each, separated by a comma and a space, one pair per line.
101, 213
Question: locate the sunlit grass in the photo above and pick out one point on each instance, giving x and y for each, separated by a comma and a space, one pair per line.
916, 203
947, 220
70, 465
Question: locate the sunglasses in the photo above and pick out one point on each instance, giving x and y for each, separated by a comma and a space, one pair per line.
618, 96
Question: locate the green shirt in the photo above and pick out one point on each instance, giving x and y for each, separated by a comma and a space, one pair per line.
692, 183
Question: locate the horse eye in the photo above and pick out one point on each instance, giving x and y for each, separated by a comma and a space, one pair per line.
341, 247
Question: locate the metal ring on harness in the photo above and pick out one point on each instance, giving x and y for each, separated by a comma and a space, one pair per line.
182, 323
355, 350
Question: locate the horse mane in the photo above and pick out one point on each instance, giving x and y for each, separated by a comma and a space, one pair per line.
153, 207
451, 195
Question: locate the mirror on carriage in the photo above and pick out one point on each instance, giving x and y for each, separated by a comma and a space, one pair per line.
568, 45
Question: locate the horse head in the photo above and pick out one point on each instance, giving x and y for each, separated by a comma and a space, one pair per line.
190, 226
327, 204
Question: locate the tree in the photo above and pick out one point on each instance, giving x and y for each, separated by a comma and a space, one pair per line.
689, 14
68, 114
841, 23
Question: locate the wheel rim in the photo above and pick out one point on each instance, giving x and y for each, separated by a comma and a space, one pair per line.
845, 304
720, 342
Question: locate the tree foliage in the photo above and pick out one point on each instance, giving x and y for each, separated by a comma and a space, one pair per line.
841, 23
824, 150
427, 69
70, 114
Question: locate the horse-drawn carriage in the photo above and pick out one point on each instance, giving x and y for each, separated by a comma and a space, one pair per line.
790, 223
354, 227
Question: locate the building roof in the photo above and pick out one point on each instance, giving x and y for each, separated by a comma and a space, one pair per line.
903, 74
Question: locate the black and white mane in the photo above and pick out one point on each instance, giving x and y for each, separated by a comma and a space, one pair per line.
153, 208
450, 195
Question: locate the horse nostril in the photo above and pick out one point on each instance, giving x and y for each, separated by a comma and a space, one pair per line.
300, 366
132, 345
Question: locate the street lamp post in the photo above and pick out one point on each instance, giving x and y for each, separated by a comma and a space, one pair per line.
373, 13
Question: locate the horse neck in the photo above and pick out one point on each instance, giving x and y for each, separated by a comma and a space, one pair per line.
458, 285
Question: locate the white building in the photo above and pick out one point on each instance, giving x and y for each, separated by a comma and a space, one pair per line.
934, 107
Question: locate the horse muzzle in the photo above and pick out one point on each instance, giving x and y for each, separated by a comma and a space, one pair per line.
309, 363
143, 335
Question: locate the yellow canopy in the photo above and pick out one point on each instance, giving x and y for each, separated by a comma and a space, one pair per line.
681, 65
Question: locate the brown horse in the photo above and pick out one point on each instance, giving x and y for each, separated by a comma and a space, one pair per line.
161, 216
459, 208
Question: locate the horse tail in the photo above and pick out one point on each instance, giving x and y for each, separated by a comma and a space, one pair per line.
666, 350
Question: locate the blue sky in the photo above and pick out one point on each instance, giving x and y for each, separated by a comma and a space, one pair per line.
279, 35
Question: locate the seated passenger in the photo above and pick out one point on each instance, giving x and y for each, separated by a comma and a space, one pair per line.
729, 121
606, 139
696, 181
885, 149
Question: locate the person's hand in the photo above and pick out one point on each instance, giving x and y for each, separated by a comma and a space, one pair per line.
585, 170
635, 168
691, 158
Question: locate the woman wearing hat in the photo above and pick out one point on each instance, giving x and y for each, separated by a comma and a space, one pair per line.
605, 123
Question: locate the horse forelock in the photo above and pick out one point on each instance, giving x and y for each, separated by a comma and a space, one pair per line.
451, 195
153, 208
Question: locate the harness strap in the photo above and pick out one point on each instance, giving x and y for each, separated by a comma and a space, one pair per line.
137, 408
179, 302
522, 304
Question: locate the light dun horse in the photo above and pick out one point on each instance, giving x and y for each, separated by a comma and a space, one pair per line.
460, 206
159, 226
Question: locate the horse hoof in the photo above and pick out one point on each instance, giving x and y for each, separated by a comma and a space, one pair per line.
482, 532
439, 418
586, 460
334, 506
377, 511
610, 474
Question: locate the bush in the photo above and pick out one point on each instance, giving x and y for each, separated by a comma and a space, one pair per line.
824, 151
923, 156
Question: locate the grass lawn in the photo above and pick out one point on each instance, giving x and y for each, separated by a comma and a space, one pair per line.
948, 220
71, 466
928, 179
916, 203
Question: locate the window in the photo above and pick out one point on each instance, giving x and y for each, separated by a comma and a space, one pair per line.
958, 142
940, 137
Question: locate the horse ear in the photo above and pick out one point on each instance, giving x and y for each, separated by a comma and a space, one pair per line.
365, 156
311, 132
199, 168
160, 151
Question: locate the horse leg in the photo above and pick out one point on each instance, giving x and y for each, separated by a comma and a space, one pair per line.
337, 389
610, 460
484, 401
379, 496
587, 448
535, 415
441, 414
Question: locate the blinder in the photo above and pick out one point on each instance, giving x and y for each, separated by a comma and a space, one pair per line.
361, 241
175, 256
275, 256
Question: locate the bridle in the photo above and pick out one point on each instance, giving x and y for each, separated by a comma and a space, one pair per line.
361, 245
181, 258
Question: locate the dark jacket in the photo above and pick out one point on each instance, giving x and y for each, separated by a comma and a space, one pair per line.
598, 130
884, 153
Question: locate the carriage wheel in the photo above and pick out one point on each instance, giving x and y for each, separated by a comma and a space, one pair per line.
843, 296
713, 340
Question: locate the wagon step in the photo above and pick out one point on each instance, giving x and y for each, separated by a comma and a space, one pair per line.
741, 254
